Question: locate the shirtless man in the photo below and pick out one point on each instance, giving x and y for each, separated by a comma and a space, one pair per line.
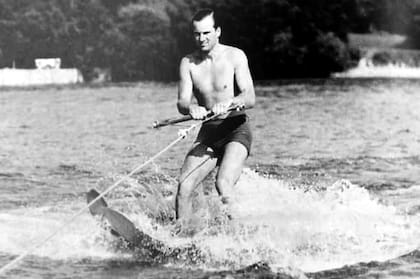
209, 74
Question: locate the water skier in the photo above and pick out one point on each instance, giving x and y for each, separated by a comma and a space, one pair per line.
210, 74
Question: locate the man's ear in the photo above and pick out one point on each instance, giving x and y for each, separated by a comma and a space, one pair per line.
218, 31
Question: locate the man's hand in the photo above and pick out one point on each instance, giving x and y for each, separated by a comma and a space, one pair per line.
238, 103
198, 112
222, 107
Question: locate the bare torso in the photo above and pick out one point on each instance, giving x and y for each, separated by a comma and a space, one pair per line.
213, 76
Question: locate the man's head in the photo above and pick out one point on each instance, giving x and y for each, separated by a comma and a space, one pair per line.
205, 30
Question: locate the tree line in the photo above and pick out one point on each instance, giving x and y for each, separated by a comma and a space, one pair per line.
145, 39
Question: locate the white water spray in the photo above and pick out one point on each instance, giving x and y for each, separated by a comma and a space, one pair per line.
274, 223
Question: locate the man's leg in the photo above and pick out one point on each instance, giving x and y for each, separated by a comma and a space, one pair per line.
200, 161
230, 169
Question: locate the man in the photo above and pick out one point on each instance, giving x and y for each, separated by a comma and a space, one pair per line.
210, 75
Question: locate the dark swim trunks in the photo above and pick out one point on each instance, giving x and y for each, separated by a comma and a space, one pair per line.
217, 133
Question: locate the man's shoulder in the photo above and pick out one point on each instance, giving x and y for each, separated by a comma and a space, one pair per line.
233, 50
234, 53
191, 57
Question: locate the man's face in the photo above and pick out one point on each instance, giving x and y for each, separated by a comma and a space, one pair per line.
205, 35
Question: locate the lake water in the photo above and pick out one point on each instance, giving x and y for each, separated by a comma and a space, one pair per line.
331, 189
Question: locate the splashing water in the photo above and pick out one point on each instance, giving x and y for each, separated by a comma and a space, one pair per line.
312, 230
273, 222
293, 227
23, 228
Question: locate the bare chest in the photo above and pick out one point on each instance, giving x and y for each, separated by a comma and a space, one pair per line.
213, 76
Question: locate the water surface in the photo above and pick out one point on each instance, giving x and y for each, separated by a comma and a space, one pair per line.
331, 188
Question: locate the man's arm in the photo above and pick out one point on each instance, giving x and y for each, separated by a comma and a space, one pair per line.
185, 93
185, 87
246, 95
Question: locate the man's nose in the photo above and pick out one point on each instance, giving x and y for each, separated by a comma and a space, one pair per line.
202, 37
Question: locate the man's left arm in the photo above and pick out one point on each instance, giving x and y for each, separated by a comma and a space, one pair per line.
243, 78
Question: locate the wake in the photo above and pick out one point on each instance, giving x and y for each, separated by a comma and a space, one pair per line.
275, 223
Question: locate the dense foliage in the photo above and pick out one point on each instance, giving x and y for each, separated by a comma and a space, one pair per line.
145, 39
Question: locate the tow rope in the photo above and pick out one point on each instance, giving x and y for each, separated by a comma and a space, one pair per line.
181, 135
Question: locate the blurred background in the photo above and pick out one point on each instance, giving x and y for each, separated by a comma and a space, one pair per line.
132, 40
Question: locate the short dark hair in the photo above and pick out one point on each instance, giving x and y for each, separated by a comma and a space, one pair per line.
200, 14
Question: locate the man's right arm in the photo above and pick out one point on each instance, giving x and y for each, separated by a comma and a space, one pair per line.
185, 92
185, 87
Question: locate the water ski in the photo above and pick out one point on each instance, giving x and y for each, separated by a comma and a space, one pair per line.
122, 226
154, 249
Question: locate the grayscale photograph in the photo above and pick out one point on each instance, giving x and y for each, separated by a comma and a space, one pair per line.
209, 139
